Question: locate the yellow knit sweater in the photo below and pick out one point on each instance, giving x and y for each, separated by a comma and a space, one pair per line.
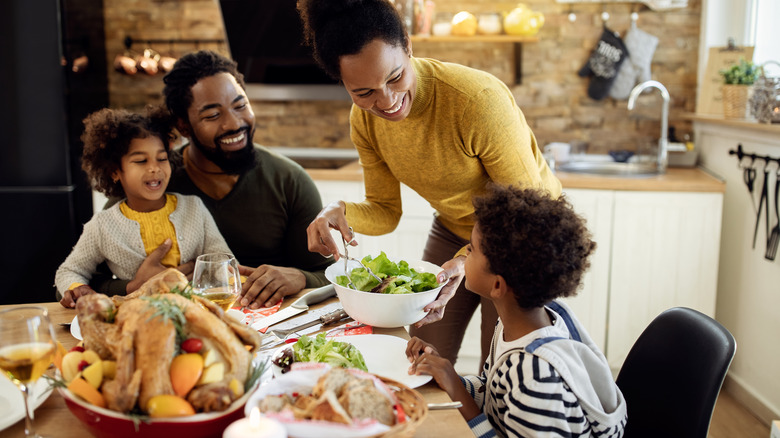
464, 130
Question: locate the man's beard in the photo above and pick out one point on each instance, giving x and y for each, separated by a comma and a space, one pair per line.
233, 163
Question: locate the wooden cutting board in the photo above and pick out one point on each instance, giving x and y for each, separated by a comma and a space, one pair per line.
710, 99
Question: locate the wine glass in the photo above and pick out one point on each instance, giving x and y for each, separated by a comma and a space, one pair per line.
216, 279
26, 349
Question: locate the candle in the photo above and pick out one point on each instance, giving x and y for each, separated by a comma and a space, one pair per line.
256, 426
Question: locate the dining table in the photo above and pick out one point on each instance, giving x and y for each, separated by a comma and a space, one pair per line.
54, 419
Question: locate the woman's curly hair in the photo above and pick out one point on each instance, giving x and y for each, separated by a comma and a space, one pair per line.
538, 244
335, 28
107, 136
187, 71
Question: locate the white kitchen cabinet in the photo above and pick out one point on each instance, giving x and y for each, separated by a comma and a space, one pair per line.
591, 302
655, 250
665, 249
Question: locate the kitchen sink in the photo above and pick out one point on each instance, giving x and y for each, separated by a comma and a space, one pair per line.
608, 167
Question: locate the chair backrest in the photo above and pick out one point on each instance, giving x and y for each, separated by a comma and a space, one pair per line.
673, 373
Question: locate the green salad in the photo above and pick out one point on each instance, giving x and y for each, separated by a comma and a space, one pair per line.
320, 349
397, 278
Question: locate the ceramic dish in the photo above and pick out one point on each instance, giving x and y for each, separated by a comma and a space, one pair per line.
383, 310
385, 356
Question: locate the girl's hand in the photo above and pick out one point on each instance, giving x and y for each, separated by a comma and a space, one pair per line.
454, 271
70, 297
318, 231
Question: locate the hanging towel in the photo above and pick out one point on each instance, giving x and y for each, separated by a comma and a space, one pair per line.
604, 63
641, 47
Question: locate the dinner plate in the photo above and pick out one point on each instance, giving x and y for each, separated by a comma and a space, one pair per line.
12, 404
385, 356
75, 330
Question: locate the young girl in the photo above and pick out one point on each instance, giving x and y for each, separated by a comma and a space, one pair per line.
126, 155
544, 376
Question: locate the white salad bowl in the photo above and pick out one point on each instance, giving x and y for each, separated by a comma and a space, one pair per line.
383, 310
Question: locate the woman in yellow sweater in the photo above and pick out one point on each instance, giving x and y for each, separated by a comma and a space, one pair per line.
443, 129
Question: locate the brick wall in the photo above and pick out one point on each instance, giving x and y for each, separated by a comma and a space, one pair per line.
551, 94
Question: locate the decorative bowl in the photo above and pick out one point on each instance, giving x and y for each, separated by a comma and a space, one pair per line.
383, 310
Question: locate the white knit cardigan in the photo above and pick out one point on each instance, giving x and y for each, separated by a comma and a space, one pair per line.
111, 237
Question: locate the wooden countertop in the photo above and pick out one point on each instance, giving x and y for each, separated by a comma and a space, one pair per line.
674, 180
54, 419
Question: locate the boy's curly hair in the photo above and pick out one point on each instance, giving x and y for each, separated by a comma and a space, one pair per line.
107, 136
187, 71
334, 28
538, 244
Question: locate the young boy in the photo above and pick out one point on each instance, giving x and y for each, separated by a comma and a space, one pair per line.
544, 376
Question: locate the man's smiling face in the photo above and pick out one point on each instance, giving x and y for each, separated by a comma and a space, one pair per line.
222, 123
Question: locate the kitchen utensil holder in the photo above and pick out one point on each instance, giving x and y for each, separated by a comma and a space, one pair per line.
741, 155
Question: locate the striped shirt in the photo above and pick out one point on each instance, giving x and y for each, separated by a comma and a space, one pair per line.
522, 394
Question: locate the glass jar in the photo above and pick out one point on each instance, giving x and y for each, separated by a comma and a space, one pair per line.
489, 24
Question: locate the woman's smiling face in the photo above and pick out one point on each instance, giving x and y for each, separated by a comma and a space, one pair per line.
380, 79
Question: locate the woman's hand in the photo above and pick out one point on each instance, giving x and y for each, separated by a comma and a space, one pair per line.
318, 232
267, 284
454, 271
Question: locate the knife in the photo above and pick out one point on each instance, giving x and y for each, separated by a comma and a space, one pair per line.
328, 318
299, 306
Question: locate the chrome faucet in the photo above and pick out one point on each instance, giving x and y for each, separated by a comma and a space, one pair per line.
663, 141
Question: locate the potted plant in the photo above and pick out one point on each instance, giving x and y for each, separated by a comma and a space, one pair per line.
737, 82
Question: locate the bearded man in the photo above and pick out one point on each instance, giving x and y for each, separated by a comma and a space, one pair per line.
262, 202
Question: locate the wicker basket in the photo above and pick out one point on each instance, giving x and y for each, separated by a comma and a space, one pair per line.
413, 404
735, 101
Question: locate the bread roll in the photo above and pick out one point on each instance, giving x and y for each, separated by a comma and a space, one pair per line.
367, 402
329, 409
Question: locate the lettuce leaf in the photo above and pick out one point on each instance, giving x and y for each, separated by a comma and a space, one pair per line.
321, 349
406, 280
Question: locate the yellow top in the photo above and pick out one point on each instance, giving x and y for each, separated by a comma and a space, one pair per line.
155, 228
464, 130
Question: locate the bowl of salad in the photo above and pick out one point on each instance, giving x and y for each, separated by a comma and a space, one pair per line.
398, 300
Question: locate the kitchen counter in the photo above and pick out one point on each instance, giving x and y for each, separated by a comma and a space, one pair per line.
674, 180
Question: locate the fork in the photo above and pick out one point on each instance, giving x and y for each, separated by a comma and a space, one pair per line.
347, 258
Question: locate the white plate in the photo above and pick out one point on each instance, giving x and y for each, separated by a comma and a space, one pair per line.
12, 404
385, 356
75, 330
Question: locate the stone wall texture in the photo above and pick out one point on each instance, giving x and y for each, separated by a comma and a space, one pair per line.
551, 94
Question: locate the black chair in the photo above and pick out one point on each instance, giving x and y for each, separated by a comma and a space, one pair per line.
673, 373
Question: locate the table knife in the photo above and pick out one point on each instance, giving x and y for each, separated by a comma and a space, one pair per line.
299, 306
328, 318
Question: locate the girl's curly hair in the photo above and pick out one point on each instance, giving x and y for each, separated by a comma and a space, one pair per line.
107, 136
538, 244
334, 28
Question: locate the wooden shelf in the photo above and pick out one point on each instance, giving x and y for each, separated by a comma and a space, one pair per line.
516, 41
474, 39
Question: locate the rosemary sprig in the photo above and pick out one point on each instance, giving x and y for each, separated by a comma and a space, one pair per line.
257, 370
186, 292
167, 309
55, 382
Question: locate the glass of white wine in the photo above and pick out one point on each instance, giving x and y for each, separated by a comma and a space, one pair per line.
26, 349
216, 279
